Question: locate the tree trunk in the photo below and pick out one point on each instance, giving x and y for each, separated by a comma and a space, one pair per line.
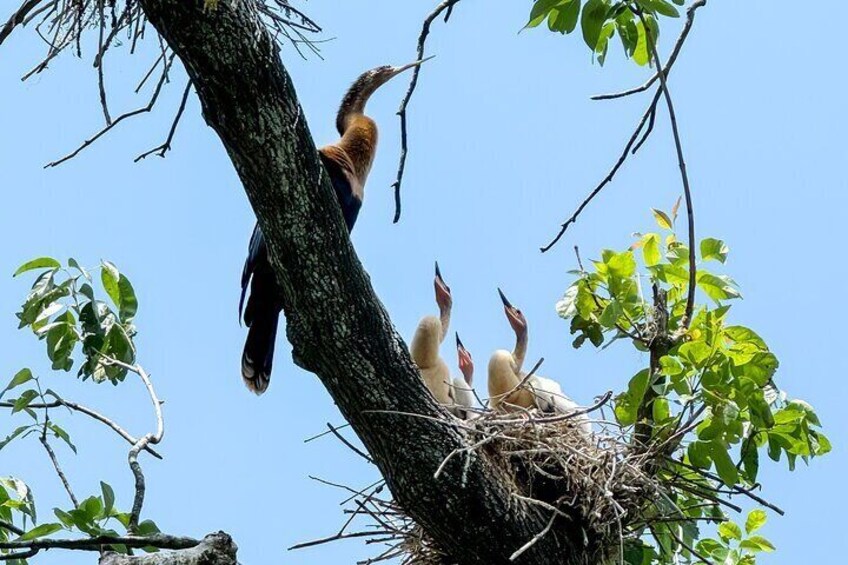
337, 326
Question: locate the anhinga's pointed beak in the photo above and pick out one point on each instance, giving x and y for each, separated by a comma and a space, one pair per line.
441, 279
398, 70
504, 299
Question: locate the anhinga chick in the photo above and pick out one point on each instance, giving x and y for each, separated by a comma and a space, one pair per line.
505, 367
462, 390
429, 335
543, 393
348, 162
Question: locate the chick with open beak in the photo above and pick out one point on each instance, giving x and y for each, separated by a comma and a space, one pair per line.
518, 323
462, 390
429, 335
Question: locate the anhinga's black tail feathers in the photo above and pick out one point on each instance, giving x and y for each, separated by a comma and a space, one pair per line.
257, 358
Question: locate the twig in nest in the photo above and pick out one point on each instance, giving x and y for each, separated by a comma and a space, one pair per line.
447, 7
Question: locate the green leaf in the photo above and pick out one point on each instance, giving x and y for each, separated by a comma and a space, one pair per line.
729, 531
41, 531
627, 404
129, 303
109, 276
40, 263
108, 498
651, 249
611, 314
642, 56
21, 377
756, 544
62, 434
12, 436
622, 265
592, 22
717, 287
661, 410
699, 454
714, 250
756, 520
540, 11
724, 464
563, 18
146, 528
660, 7
751, 462
24, 400
662, 219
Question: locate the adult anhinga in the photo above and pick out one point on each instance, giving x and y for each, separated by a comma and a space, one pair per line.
348, 162
462, 391
429, 335
545, 394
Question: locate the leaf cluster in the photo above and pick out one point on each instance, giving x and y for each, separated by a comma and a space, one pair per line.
710, 399
601, 20
63, 311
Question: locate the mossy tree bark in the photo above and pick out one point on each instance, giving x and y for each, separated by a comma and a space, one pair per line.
337, 326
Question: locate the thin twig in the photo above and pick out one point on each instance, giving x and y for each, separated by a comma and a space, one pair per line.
11, 527
689, 548
88, 412
678, 46
632, 146
404, 144
535, 539
352, 447
165, 147
119, 119
610, 176
734, 488
57, 467
687, 191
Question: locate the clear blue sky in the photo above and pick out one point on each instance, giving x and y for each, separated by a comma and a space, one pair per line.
504, 144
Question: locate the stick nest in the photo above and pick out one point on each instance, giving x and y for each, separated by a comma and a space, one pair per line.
594, 487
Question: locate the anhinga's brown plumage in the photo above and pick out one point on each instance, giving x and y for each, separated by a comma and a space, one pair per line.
348, 162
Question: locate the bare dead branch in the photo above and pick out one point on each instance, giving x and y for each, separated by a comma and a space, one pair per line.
18, 18
152, 102
631, 147
165, 147
161, 541
610, 176
57, 467
447, 7
350, 446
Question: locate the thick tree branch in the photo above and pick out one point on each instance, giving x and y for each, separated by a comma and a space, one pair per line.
336, 324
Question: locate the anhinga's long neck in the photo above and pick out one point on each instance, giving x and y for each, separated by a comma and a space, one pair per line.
425, 343
520, 351
444, 318
354, 101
